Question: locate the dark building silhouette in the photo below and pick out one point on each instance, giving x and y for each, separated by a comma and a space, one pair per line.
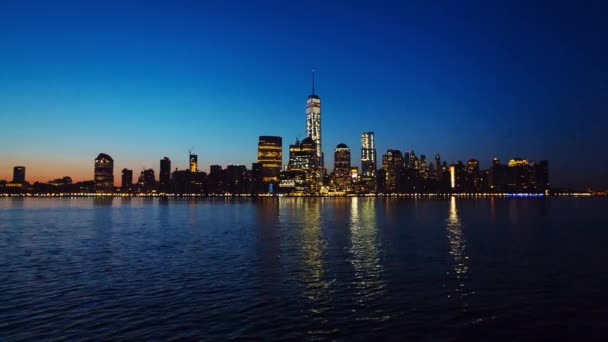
270, 157
342, 176
257, 184
147, 181
19, 174
127, 180
520, 176
497, 176
197, 182
381, 181
216, 182
437, 166
235, 178
164, 176
460, 173
60, 182
542, 175
181, 182
473, 176
104, 174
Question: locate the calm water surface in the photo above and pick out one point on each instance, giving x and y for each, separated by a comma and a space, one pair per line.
438, 269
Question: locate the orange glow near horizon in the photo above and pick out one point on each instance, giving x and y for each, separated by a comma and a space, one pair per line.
47, 169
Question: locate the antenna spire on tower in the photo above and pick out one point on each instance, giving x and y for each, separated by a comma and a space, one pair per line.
313, 81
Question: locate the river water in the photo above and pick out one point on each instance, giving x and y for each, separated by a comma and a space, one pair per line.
303, 268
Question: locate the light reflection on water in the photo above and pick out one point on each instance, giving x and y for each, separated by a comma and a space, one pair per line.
368, 277
309, 268
313, 249
458, 245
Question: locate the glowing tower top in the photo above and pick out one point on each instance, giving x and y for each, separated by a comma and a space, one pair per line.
313, 119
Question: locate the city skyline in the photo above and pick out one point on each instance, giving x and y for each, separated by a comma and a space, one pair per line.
155, 84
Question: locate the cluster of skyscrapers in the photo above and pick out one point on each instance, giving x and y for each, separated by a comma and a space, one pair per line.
306, 173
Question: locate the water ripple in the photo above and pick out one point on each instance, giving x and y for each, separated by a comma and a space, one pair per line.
314, 269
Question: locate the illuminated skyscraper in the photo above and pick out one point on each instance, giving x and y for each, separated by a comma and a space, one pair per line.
424, 172
313, 120
368, 161
19, 174
193, 163
164, 177
303, 158
104, 174
368, 154
392, 163
270, 156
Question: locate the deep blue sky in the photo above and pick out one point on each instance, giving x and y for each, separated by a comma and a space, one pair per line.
143, 80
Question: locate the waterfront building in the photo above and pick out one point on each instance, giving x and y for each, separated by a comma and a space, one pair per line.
104, 174
437, 165
392, 164
303, 157
147, 181
473, 176
520, 175
235, 178
164, 176
257, 184
216, 182
368, 161
127, 181
19, 174
313, 121
342, 176
270, 157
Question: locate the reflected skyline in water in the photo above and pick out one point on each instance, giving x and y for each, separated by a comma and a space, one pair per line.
313, 247
365, 257
301, 268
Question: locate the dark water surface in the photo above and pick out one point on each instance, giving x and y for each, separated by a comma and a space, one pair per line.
317, 268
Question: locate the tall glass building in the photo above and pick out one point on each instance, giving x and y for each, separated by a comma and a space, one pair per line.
368, 161
313, 120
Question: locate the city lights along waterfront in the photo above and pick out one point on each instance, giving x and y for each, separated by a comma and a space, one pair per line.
306, 173
303, 171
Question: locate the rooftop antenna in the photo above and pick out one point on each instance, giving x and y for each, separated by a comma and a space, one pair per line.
313, 81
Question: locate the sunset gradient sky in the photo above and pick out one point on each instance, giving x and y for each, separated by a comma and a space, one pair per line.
141, 80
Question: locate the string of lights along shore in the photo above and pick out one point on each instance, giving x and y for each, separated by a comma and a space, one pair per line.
306, 172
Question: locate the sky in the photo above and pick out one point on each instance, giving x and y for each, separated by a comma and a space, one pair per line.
140, 80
